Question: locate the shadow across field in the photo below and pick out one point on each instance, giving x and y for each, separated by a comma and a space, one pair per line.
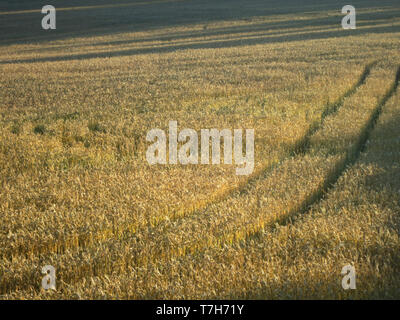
218, 43
373, 282
321, 285
386, 160
21, 21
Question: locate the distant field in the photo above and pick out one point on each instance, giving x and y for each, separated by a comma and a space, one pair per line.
77, 192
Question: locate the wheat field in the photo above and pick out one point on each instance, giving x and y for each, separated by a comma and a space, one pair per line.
77, 192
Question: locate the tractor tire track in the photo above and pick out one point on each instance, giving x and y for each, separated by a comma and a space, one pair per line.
105, 261
87, 240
